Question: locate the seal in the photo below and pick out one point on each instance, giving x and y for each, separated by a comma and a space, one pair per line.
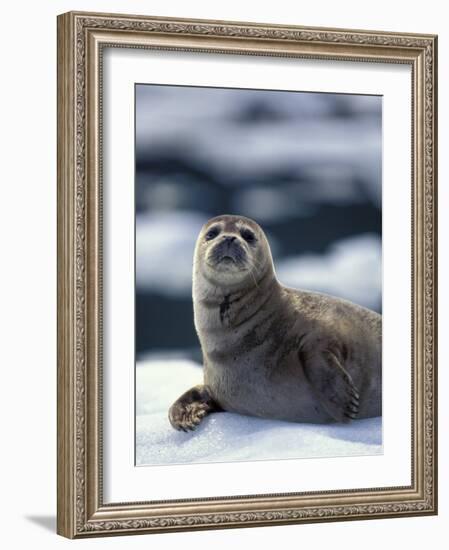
272, 351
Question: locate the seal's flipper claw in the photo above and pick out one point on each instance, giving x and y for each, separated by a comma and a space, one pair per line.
188, 411
333, 386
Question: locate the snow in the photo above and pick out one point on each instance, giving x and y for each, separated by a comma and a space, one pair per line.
309, 133
351, 268
165, 242
226, 437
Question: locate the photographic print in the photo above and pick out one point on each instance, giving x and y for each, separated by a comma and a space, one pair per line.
247, 283
258, 265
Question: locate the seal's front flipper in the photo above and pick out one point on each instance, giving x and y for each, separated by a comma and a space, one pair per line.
188, 410
333, 386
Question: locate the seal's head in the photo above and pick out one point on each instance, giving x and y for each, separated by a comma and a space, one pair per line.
231, 250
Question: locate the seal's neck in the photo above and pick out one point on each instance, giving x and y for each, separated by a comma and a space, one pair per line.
219, 306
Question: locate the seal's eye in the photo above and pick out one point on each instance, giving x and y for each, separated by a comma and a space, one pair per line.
212, 233
248, 235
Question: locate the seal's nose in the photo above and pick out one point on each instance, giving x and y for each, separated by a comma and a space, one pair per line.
229, 239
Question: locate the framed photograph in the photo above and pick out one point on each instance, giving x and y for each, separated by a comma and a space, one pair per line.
246, 274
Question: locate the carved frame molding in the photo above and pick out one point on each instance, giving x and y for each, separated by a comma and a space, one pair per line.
81, 39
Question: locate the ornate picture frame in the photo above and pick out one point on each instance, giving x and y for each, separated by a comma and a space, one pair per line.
82, 39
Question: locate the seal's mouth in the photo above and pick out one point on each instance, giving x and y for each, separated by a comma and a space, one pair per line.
228, 253
226, 260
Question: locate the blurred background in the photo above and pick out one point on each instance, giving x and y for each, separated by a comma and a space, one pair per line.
306, 166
